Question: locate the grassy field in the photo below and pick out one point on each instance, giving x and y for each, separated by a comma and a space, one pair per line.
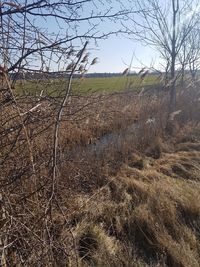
86, 85
113, 84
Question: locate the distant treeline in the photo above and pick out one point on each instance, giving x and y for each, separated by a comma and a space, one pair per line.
62, 74
36, 75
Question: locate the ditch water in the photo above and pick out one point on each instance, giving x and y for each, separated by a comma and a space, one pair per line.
110, 141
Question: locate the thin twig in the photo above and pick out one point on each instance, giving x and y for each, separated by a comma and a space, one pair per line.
57, 125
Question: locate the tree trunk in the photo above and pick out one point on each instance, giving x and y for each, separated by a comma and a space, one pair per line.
175, 5
173, 86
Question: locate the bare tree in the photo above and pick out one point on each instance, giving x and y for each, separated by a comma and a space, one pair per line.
165, 26
190, 54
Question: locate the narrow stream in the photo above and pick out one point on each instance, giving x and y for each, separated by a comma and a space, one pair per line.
107, 142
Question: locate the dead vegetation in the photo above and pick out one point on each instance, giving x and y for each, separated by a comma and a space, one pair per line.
126, 192
150, 213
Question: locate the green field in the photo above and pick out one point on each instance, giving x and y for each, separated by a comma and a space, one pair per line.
112, 84
86, 85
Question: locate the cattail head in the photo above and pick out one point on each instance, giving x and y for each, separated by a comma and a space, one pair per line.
82, 50
70, 66
94, 61
71, 52
85, 58
81, 69
125, 72
141, 71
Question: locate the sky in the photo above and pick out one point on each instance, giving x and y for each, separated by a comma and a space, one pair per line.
116, 54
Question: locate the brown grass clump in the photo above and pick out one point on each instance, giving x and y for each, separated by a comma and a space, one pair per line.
156, 215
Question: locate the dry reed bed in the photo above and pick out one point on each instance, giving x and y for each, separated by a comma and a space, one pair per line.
126, 206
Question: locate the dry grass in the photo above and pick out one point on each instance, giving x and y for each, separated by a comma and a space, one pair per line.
127, 194
155, 216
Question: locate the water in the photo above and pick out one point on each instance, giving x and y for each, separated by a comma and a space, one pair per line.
109, 141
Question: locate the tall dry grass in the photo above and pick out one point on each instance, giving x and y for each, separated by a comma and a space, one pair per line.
126, 191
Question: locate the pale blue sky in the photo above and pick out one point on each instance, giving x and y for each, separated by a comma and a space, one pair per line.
115, 53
